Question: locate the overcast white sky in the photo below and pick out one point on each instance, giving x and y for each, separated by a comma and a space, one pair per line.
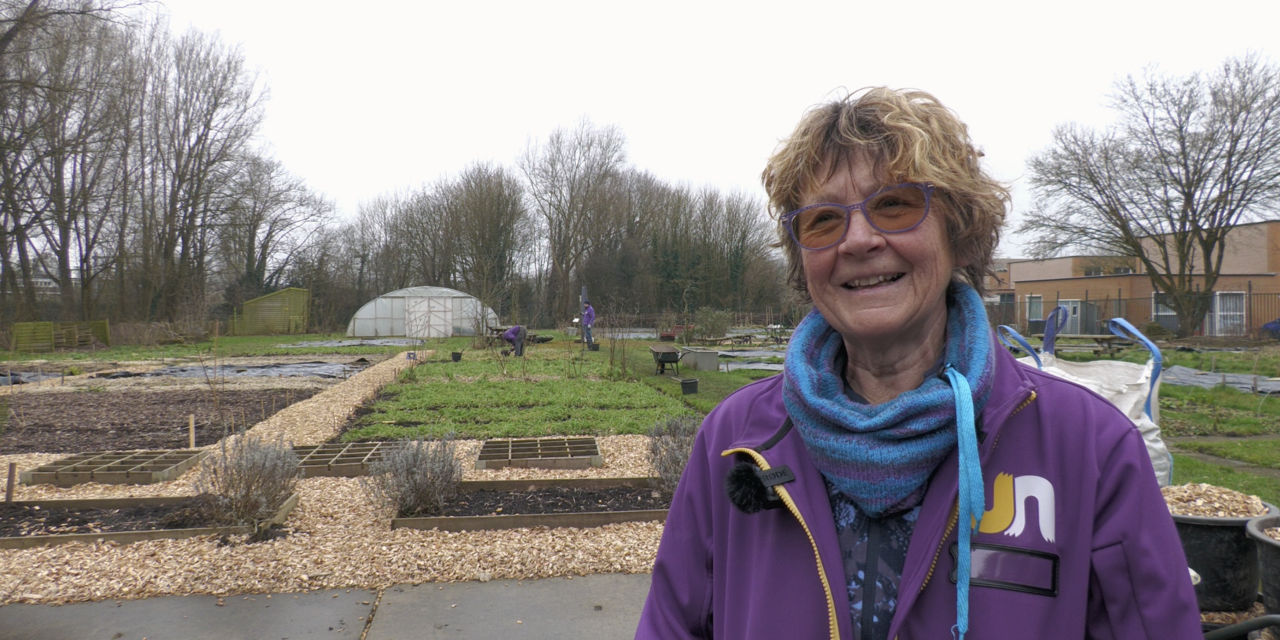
367, 98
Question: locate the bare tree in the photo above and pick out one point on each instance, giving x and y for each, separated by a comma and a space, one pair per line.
203, 108
77, 145
574, 180
1190, 158
270, 216
486, 203
22, 114
21, 17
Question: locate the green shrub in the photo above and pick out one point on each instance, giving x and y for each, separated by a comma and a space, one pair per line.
711, 323
417, 479
248, 478
670, 442
1156, 331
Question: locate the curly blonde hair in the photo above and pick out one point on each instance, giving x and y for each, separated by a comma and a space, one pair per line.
909, 136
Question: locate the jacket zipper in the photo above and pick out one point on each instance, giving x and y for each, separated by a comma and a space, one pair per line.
955, 511
832, 618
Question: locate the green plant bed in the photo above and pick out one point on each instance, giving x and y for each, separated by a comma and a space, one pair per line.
713, 386
1261, 453
512, 408
1223, 411
1187, 469
1268, 363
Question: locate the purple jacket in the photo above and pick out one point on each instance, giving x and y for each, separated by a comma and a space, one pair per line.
1094, 554
589, 316
510, 334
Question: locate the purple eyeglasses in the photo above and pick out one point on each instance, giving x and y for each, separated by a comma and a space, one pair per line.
895, 209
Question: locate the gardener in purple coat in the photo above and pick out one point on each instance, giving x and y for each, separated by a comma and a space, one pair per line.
515, 335
905, 477
588, 319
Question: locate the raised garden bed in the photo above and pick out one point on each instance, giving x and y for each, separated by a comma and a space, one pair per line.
115, 467
564, 502
542, 453
140, 513
341, 460
72, 422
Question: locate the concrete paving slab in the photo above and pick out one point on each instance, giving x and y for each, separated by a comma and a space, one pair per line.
336, 614
601, 607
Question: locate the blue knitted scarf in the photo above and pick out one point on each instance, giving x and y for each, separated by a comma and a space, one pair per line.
881, 456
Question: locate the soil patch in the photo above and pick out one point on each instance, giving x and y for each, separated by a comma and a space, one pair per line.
117, 421
555, 500
26, 520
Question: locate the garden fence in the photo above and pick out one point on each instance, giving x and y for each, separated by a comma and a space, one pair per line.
1228, 314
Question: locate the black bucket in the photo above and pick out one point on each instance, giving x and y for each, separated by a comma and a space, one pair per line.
1268, 559
457, 356
1221, 551
594, 346
688, 386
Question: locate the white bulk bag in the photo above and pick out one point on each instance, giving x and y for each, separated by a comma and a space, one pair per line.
1132, 388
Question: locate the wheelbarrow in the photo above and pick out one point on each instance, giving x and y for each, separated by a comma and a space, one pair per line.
663, 355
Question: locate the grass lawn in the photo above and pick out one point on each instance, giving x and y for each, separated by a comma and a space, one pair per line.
1262, 453
1187, 411
515, 408
713, 386
1187, 470
556, 389
1267, 359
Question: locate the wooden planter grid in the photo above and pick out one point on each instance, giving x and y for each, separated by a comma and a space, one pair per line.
341, 460
543, 453
115, 467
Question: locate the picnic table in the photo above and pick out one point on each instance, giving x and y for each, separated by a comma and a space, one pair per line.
1108, 344
777, 334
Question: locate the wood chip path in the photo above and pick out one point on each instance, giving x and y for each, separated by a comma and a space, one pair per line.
338, 538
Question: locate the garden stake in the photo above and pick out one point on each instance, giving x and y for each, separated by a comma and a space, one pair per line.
191, 430
8, 484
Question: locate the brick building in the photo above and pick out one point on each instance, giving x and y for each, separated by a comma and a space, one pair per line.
1098, 288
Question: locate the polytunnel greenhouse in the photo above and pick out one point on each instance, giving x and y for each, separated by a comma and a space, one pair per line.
421, 312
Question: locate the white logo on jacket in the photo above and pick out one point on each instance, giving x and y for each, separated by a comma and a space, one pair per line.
1008, 511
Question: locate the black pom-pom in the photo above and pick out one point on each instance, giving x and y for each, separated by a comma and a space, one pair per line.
745, 489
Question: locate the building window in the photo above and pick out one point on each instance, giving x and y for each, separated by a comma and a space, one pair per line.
1123, 270
1092, 271
1035, 308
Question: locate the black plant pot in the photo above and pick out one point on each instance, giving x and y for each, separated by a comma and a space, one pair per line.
688, 386
594, 346
1220, 550
457, 356
1268, 559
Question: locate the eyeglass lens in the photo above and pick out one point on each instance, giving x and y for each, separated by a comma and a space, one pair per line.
891, 210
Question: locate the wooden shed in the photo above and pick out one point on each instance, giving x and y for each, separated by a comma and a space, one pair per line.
283, 312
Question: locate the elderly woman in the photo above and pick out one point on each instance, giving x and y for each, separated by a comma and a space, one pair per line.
905, 477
